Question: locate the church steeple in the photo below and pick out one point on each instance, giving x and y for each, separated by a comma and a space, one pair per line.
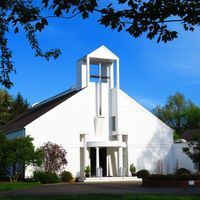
101, 65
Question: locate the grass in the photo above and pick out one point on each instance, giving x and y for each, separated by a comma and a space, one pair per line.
5, 186
105, 197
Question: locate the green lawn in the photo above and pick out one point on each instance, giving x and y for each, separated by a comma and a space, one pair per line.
5, 186
104, 197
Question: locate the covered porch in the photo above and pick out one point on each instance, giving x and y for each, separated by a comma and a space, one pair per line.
105, 158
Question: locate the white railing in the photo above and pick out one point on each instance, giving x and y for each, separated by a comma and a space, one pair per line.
99, 172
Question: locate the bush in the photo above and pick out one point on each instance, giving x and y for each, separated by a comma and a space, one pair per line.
164, 177
66, 176
186, 176
182, 171
142, 173
161, 177
29, 180
87, 171
54, 157
45, 177
132, 169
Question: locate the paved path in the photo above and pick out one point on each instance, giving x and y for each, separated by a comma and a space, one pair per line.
99, 188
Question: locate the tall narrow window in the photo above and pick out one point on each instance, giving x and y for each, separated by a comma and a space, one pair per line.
113, 123
99, 74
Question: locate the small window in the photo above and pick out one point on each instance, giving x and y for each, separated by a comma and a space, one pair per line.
113, 123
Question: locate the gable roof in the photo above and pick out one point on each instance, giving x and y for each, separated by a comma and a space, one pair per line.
101, 52
35, 112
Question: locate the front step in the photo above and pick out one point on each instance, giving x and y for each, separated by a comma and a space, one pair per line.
112, 179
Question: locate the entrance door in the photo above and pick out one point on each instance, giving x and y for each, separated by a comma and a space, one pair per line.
93, 161
102, 160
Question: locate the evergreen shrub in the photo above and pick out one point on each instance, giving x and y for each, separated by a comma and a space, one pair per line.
182, 171
66, 176
45, 177
142, 173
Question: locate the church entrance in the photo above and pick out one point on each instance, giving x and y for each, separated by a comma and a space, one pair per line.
102, 160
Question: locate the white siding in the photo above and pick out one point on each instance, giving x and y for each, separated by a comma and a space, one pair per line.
149, 139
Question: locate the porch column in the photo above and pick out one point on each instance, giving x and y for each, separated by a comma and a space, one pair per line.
85, 152
120, 156
97, 159
120, 159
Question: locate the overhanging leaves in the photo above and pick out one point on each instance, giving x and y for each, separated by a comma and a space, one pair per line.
136, 17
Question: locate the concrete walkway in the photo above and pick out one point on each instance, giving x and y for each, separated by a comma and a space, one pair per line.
99, 188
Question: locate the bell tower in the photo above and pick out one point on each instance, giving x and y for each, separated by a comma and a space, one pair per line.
100, 69
100, 66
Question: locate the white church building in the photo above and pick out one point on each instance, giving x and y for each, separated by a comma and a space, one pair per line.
100, 126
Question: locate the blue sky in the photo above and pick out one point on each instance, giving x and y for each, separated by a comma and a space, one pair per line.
149, 72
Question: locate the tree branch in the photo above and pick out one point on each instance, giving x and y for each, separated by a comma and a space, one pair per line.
63, 17
54, 16
129, 22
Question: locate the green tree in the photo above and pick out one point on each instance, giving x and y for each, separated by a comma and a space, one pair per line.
5, 102
54, 157
18, 154
136, 17
11, 107
3, 146
172, 113
192, 117
193, 149
180, 114
18, 106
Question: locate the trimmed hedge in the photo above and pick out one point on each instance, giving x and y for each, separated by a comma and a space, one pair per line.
45, 177
186, 176
142, 173
161, 177
182, 171
66, 176
174, 177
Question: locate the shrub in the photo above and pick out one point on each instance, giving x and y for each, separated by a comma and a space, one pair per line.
161, 177
197, 175
132, 169
45, 177
142, 173
66, 176
186, 176
87, 171
54, 157
29, 180
183, 176
182, 171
